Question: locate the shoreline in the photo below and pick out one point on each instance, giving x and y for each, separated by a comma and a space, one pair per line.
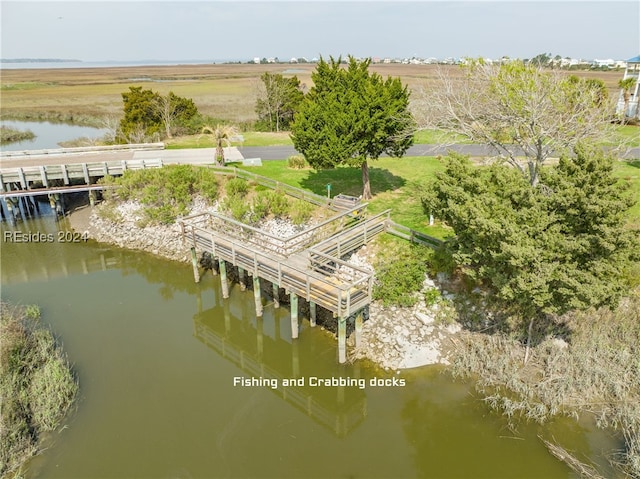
393, 338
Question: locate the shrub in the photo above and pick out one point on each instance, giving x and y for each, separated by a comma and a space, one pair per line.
278, 204
236, 187
236, 207
296, 162
300, 212
400, 274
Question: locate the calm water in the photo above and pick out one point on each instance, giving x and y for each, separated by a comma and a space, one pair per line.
48, 135
157, 356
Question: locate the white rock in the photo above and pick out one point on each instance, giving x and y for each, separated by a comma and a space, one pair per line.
424, 319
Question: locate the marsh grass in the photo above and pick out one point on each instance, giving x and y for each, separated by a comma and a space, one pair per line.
12, 135
37, 385
593, 368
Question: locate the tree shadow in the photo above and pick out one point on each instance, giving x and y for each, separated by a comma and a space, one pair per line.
634, 163
348, 181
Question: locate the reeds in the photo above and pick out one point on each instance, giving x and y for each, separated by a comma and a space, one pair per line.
37, 385
594, 369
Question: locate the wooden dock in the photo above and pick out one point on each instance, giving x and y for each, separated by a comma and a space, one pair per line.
308, 265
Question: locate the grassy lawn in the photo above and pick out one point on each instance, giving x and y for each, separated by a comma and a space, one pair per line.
251, 138
395, 185
630, 171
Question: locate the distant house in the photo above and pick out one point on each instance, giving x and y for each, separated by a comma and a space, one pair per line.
632, 71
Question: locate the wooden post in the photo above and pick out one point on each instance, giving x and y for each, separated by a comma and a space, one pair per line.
342, 340
92, 198
313, 313
276, 296
242, 279
358, 328
257, 295
223, 278
194, 263
294, 315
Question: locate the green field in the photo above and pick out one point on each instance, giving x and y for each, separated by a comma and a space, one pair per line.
395, 185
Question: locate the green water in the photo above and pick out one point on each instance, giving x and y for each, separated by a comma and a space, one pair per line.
157, 355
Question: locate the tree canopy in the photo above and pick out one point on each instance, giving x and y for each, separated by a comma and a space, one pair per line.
541, 250
147, 114
351, 116
520, 110
278, 99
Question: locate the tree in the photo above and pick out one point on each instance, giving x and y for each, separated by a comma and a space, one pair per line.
626, 85
351, 116
148, 114
540, 250
278, 99
222, 135
519, 110
174, 111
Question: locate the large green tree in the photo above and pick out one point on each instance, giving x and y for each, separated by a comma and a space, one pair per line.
542, 250
278, 100
351, 116
526, 113
147, 114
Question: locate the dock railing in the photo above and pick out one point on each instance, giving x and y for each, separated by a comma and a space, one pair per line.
313, 284
278, 245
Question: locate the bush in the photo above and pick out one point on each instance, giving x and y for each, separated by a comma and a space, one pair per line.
400, 274
236, 207
237, 187
166, 193
300, 211
296, 162
278, 204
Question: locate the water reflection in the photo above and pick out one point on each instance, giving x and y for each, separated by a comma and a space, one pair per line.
260, 349
49, 135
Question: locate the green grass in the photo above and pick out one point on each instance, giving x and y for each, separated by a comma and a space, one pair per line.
629, 135
395, 185
251, 138
630, 172
437, 137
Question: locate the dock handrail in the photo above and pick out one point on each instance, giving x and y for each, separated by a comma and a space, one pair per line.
329, 292
281, 246
412, 235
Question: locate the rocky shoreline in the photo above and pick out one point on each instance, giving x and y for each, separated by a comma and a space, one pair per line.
393, 337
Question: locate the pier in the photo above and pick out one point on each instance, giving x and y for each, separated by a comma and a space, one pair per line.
306, 265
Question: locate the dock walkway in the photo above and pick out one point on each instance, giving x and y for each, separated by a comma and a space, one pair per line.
308, 265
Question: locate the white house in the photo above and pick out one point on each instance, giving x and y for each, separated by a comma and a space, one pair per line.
632, 71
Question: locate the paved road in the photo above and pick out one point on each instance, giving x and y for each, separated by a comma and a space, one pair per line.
206, 155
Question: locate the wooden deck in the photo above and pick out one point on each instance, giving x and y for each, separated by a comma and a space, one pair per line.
319, 276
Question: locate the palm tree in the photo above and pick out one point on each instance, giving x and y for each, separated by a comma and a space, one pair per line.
222, 135
627, 85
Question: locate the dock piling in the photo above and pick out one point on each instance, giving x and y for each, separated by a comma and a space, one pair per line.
194, 263
312, 313
276, 296
257, 295
223, 278
342, 340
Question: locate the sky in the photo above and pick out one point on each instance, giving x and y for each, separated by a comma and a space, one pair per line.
241, 30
